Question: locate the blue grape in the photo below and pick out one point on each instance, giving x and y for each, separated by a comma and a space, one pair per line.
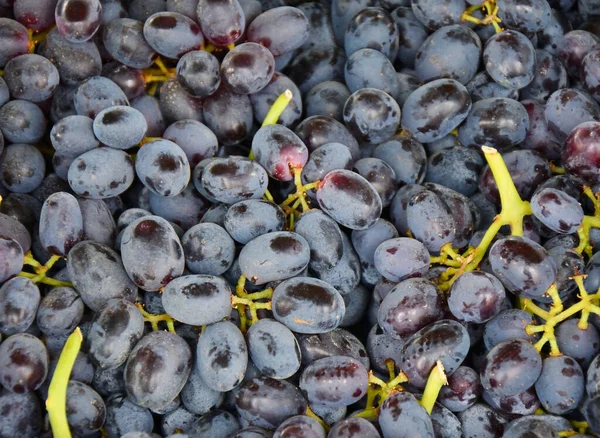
98, 223
222, 21
550, 75
20, 299
430, 220
481, 420
14, 38
560, 386
315, 65
316, 131
149, 106
365, 242
509, 58
280, 30
539, 137
96, 94
279, 150
371, 115
247, 68
327, 99
222, 356
457, 168
382, 347
308, 425
197, 397
197, 299
86, 411
61, 223
265, 98
175, 103
194, 138
573, 47
401, 258
273, 349
73, 136
23, 363
208, 249
523, 403
120, 127
557, 210
372, 28
162, 166
198, 72
249, 219
529, 426
346, 274
123, 416
342, 13
22, 414
369, 68
411, 34
228, 115
157, 369
59, 312
320, 29
22, 168
101, 173
462, 391
568, 107
124, 40
324, 159
13, 229
406, 156
402, 416
11, 258
184, 210
482, 86
338, 342
307, 305
580, 344
172, 34
22, 121
274, 256
476, 297
381, 175
324, 239
216, 423
31, 77
507, 325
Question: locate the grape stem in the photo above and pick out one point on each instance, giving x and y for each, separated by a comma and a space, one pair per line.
311, 414
41, 271
489, 9
243, 301
437, 379
155, 319
57, 392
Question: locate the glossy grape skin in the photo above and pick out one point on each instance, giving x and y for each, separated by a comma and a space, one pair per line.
400, 258
114, 332
97, 94
267, 402
307, 305
19, 301
365, 242
411, 305
568, 108
11, 258
526, 17
197, 299
249, 219
247, 68
324, 159
152, 254
14, 40
573, 48
324, 238
22, 415
124, 40
273, 349
315, 131
184, 210
59, 312
228, 115
509, 58
462, 391
495, 122
444, 340
22, 168
264, 99
405, 156
523, 266
482, 86
278, 150
421, 115
523, 403
162, 166
78, 20
481, 420
172, 34
580, 153
457, 168
369, 68
346, 274
557, 210
198, 72
402, 416
123, 416
327, 99
349, 199
98, 275
539, 136
222, 21
430, 220
86, 411
22, 121
371, 115
157, 369
381, 175
23, 363
507, 325
31, 77
73, 135
101, 173
338, 342
61, 223
511, 367
550, 75
316, 65
560, 386
580, 344
280, 29
372, 28
476, 297
334, 381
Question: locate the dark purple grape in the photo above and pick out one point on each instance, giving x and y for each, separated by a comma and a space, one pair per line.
509, 58
508, 325
324, 159
462, 391
120, 127
580, 344
123, 416
539, 137
482, 421
60, 312
581, 154
324, 238
247, 68
430, 220
280, 30
320, 28
560, 386
371, 115
23, 363
527, 17
124, 40
316, 65
86, 411
22, 168
249, 219
402, 416
353, 427
557, 210
19, 302
406, 156
175, 103
197, 141
97, 94
198, 72
309, 427
22, 121
372, 28
338, 342
172, 34
228, 115
61, 223
265, 98
222, 21
316, 131
31, 77
14, 40
22, 414
523, 403
279, 151
482, 86
567, 108
369, 68
550, 75
400, 258
11, 258
573, 48
78, 20
327, 99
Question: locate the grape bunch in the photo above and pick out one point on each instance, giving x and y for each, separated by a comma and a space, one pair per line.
299, 219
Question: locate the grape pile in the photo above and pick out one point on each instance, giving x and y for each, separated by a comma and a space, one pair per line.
299, 219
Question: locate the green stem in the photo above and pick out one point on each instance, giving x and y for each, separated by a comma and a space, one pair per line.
278, 108
56, 402
437, 379
46, 280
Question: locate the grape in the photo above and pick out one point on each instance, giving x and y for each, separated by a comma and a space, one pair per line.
175, 103
98, 275
22, 121
381, 175
274, 256
517, 67
266, 402
365, 242
249, 219
31, 77
353, 427
568, 108
22, 168
273, 349
59, 312
307, 305
61, 223
123, 416
222, 21
97, 94
462, 391
444, 340
264, 99
316, 65
349, 199
327, 99
162, 166
247, 68
19, 301
580, 344
371, 115
124, 40
523, 266
560, 386
157, 369
198, 72
172, 34
482, 421
320, 29
346, 274
216, 423
78, 20
101, 173
208, 249
482, 86
580, 153
85, 408
409, 306
324, 239
280, 30
308, 426
573, 47
411, 34
369, 68
457, 168
507, 325
228, 115
557, 210
11, 258
23, 363
550, 75
279, 151
197, 397
511, 367
14, 40
13, 229
98, 223
400, 258
130, 80
523, 403
152, 253
197, 299
222, 356
527, 18
194, 138
120, 127
73, 135
316, 131
22, 415
539, 137
529, 426
149, 106
324, 159
476, 297
426, 125
402, 416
